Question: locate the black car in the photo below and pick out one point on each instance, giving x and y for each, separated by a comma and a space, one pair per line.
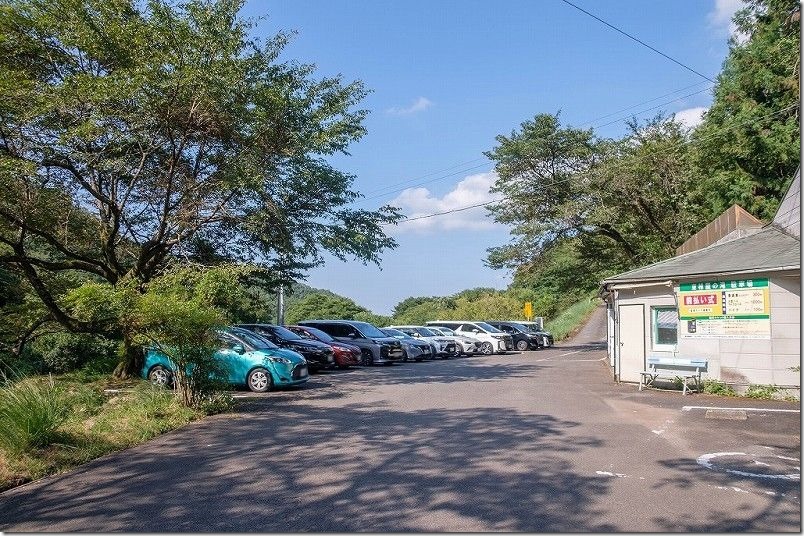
318, 354
375, 346
524, 339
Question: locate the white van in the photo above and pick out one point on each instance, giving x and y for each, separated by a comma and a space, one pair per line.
491, 339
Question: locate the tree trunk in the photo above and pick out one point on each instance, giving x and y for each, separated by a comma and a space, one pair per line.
132, 361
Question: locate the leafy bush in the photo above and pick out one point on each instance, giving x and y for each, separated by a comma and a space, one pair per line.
761, 391
30, 414
63, 352
715, 387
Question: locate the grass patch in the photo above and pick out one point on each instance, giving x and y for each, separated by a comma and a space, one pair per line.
762, 392
31, 412
90, 423
570, 320
715, 387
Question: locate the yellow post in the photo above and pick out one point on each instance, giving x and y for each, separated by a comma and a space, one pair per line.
528, 310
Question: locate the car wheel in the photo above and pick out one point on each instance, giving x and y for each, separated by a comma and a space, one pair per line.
487, 348
259, 380
368, 358
522, 345
160, 376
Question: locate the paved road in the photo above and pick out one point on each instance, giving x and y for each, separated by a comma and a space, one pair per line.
537, 441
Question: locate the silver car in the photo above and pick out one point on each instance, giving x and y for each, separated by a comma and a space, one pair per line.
466, 345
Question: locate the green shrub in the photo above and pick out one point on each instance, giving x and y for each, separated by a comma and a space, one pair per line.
715, 387
761, 391
30, 414
214, 403
63, 352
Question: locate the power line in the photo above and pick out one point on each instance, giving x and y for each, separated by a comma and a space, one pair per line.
655, 107
473, 168
647, 102
450, 211
425, 175
615, 165
587, 123
637, 40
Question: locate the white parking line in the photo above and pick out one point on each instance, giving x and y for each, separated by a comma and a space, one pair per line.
769, 410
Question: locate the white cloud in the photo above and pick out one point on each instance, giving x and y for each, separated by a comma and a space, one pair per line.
720, 18
472, 190
419, 105
691, 117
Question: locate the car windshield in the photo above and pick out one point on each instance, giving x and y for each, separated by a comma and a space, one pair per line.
252, 339
519, 327
286, 333
394, 333
368, 330
445, 331
487, 327
424, 332
314, 333
437, 331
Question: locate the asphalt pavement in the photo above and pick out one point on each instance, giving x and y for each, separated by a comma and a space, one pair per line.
534, 441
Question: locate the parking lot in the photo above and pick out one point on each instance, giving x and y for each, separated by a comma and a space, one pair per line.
532, 441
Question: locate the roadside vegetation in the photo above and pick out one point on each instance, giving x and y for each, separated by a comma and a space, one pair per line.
567, 323
53, 423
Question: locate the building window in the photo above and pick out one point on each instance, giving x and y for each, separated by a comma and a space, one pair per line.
664, 322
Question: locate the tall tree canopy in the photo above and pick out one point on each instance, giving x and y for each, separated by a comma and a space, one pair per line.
132, 133
581, 205
748, 145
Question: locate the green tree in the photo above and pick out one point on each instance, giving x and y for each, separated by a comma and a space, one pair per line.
321, 305
748, 145
177, 312
538, 169
132, 133
431, 309
638, 206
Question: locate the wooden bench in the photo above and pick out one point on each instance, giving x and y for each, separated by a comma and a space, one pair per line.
672, 368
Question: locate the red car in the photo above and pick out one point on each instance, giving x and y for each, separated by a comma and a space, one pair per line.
345, 354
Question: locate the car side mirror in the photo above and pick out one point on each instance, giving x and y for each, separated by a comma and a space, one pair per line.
475, 330
239, 349
417, 335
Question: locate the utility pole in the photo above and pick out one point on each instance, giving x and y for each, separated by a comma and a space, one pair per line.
280, 306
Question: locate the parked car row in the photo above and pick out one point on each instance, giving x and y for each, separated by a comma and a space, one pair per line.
264, 356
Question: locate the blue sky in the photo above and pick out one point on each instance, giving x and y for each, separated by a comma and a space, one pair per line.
448, 76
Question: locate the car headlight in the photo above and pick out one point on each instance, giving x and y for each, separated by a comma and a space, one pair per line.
283, 360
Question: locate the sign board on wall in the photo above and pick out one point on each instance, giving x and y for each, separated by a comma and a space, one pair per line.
738, 309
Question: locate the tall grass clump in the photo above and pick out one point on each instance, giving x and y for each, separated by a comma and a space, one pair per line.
31, 412
572, 318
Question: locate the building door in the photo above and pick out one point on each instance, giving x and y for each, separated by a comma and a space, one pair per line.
632, 342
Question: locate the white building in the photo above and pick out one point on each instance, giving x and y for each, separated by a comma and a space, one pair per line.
733, 297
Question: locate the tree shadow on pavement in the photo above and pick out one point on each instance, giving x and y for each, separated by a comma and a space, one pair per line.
782, 499
447, 371
315, 469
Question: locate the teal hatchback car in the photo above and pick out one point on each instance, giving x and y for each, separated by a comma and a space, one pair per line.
248, 359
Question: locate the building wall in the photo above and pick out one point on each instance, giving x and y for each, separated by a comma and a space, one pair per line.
739, 361
648, 297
